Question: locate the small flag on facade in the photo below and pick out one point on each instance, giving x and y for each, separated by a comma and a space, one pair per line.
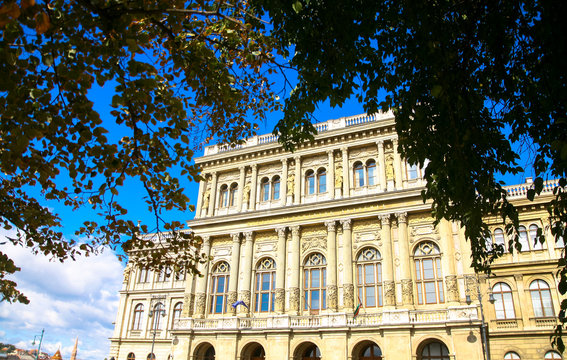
357, 310
240, 302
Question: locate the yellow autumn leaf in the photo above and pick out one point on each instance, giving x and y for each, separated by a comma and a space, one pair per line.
8, 12
42, 22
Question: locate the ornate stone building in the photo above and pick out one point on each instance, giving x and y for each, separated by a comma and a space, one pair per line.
335, 256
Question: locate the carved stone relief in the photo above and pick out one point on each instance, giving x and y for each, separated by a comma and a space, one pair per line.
315, 161
333, 296
313, 243
280, 301
389, 293
452, 288
294, 299
348, 296
200, 305
407, 292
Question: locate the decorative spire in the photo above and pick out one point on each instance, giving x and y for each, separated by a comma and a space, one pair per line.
74, 352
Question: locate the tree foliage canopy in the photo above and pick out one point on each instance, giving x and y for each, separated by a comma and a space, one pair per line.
176, 73
474, 85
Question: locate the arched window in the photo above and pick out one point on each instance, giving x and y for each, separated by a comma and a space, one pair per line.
151, 356
315, 283
265, 189
276, 188
412, 171
312, 353
219, 288
371, 172
552, 355
321, 181
534, 242
358, 174
131, 356
429, 277
265, 285
177, 309
541, 299
157, 316
138, 314
258, 353
370, 352
224, 196
504, 304
511, 356
143, 275
523, 238
310, 182
499, 238
164, 274
434, 351
233, 194
488, 241
369, 277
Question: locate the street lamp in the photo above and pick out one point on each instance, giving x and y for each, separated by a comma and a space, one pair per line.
40, 340
491, 300
160, 311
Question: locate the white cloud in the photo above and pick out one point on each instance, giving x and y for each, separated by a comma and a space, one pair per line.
75, 298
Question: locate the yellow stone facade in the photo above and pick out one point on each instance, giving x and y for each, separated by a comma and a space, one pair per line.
303, 238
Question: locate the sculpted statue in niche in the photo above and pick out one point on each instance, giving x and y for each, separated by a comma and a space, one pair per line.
339, 177
290, 183
246, 193
206, 199
390, 168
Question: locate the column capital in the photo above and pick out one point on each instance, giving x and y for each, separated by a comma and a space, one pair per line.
281, 230
284, 161
384, 219
344, 148
254, 167
331, 225
206, 240
380, 143
331, 152
235, 237
242, 167
249, 235
402, 217
346, 223
395, 143
295, 230
297, 158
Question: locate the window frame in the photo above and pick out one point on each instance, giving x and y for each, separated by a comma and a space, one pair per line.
176, 314
422, 283
321, 181
359, 179
232, 194
311, 267
374, 263
371, 164
138, 314
275, 188
221, 270
266, 266
499, 296
223, 198
156, 319
542, 306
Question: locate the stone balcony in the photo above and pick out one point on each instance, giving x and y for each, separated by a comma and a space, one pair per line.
389, 318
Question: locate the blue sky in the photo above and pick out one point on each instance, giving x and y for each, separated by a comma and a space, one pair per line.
80, 298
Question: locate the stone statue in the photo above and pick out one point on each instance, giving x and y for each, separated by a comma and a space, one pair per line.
127, 272
339, 177
290, 184
246, 193
390, 169
206, 199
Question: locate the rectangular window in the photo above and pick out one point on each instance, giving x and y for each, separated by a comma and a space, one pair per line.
371, 175
322, 183
265, 192
311, 185
276, 194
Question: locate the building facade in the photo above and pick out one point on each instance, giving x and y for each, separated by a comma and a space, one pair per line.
330, 253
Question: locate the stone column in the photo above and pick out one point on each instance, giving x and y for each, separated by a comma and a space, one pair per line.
348, 286
448, 262
346, 173
294, 276
202, 188
253, 185
200, 296
381, 165
232, 295
283, 183
397, 165
332, 289
280, 271
298, 181
331, 175
213, 198
244, 294
405, 272
387, 256
240, 188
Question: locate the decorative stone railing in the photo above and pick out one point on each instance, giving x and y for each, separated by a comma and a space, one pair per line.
521, 190
321, 127
391, 317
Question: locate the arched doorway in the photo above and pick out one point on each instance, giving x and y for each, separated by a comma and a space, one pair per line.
307, 351
253, 351
433, 350
367, 350
204, 351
